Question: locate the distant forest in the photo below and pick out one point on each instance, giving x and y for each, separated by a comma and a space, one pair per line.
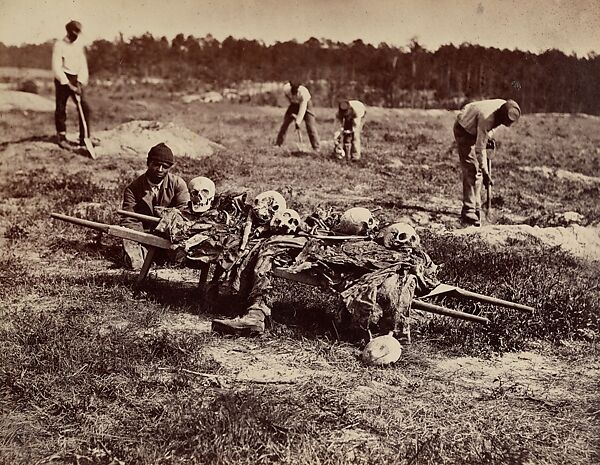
385, 75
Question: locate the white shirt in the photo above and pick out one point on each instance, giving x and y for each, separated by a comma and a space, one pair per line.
155, 188
356, 113
301, 97
477, 118
68, 57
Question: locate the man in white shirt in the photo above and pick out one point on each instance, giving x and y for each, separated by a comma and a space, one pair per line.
70, 69
300, 109
474, 126
351, 115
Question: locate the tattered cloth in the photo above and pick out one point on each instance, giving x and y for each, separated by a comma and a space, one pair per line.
377, 284
214, 236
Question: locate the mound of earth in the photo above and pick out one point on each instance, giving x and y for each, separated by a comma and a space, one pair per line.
583, 242
137, 137
548, 172
24, 101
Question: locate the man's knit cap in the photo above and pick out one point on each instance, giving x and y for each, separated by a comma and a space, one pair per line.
161, 153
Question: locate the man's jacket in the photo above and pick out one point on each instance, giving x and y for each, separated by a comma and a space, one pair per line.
139, 198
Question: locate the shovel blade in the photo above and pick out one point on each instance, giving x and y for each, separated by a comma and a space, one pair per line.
90, 147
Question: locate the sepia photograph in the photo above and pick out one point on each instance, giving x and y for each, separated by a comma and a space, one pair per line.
329, 232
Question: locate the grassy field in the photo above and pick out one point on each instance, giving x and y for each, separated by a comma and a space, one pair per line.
91, 375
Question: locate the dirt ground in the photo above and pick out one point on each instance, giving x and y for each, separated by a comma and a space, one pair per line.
537, 403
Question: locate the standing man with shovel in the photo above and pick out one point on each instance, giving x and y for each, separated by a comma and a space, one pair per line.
473, 127
299, 109
70, 69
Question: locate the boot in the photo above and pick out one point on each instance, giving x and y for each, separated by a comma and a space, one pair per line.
471, 218
253, 322
62, 141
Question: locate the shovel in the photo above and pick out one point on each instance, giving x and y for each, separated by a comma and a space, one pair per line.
490, 150
300, 145
488, 189
86, 137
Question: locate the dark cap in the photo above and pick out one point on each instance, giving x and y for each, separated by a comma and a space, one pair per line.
161, 153
295, 84
74, 26
344, 105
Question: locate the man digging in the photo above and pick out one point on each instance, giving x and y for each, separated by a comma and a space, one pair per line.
70, 69
474, 126
351, 115
299, 109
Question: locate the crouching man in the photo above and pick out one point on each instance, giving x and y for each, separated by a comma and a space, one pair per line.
157, 187
351, 114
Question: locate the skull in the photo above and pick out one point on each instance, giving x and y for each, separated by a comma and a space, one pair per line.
202, 193
358, 221
399, 236
382, 350
286, 221
267, 204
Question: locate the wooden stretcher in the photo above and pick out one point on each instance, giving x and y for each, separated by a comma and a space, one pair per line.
153, 242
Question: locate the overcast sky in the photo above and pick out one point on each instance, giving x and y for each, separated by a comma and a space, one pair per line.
534, 25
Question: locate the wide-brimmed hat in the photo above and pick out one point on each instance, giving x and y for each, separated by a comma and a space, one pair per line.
513, 110
74, 26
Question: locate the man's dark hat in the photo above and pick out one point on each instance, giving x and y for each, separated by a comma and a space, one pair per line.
294, 83
344, 105
74, 26
161, 153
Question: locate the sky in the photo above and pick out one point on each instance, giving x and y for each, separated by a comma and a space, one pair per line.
572, 26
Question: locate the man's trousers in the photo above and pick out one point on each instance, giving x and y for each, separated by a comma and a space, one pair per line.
63, 92
309, 119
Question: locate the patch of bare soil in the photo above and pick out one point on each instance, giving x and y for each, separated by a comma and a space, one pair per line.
24, 101
137, 137
583, 242
535, 377
548, 172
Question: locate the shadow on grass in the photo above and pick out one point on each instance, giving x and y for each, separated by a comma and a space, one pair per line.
40, 138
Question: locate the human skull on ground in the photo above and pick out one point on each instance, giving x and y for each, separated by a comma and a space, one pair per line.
357, 221
400, 236
286, 221
382, 350
202, 193
266, 204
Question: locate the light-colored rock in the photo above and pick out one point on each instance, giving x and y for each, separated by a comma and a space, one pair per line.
559, 173
191, 98
583, 242
212, 97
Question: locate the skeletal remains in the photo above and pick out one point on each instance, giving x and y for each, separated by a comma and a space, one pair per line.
286, 221
202, 193
357, 221
382, 350
266, 204
399, 236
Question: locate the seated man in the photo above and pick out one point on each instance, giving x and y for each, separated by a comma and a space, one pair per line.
155, 188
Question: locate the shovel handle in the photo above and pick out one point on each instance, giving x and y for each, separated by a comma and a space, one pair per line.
488, 200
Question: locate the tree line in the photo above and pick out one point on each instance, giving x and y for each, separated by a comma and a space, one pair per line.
385, 75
